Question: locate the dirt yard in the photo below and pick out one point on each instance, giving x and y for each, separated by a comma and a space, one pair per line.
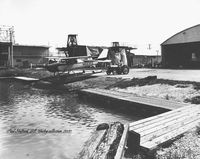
181, 91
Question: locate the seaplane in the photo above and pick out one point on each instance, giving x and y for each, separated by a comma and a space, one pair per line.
77, 57
69, 64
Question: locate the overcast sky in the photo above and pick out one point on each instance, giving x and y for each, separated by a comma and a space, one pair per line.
98, 22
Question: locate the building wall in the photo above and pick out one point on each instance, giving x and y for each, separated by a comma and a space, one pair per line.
30, 51
26, 62
182, 50
130, 57
146, 61
185, 55
25, 55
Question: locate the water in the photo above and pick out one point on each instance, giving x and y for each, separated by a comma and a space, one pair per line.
23, 107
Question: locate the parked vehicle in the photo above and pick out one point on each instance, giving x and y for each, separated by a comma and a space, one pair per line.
119, 63
117, 69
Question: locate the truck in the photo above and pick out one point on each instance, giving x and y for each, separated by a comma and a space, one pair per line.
119, 64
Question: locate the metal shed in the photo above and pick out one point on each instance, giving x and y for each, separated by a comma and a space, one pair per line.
182, 50
24, 55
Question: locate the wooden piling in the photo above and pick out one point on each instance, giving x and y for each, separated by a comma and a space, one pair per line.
106, 143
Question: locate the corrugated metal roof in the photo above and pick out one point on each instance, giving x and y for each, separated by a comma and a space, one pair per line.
188, 35
20, 45
4, 43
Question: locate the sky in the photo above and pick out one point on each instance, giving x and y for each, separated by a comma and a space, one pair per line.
98, 22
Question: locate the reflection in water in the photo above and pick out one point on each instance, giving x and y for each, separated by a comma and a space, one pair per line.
23, 107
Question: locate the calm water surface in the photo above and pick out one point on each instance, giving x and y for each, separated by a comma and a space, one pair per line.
23, 107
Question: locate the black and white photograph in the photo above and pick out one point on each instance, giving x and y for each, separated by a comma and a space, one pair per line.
99, 79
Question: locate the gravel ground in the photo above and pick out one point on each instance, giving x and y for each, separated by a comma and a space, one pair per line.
186, 147
164, 91
170, 74
34, 73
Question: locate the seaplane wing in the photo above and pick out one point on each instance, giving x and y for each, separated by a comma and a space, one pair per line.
77, 57
102, 61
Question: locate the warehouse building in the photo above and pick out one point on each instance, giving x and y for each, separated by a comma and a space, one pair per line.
150, 61
182, 50
23, 55
15, 55
5, 54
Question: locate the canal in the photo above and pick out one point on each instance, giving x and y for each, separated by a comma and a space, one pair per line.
47, 123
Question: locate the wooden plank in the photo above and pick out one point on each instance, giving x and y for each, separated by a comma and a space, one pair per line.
91, 144
154, 102
162, 122
161, 128
159, 131
159, 119
130, 96
170, 135
110, 92
6, 78
106, 149
102, 92
163, 115
104, 143
26, 78
156, 123
133, 142
158, 126
160, 103
123, 142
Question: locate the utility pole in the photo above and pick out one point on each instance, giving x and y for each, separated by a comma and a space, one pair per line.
11, 30
157, 55
149, 46
7, 39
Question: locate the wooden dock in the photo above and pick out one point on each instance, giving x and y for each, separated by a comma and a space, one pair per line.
2, 78
159, 129
134, 101
149, 133
26, 79
21, 78
68, 78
